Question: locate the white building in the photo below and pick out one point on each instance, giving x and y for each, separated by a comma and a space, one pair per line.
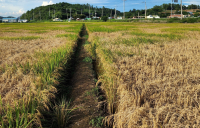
119, 17
22, 20
57, 19
153, 16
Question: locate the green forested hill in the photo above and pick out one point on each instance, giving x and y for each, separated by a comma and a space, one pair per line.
63, 9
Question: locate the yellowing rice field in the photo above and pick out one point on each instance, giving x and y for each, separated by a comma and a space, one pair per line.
30, 56
150, 73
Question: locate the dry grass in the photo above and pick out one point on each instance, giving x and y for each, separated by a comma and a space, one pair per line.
15, 51
160, 87
150, 85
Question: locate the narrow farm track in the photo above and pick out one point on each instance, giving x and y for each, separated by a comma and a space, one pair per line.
82, 96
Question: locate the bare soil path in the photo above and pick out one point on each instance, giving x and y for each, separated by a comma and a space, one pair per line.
82, 95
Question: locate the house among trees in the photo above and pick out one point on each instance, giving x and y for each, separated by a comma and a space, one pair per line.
176, 16
153, 16
22, 20
57, 19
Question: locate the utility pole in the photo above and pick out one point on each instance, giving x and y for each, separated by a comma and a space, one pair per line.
115, 12
40, 16
54, 14
70, 13
49, 11
66, 13
171, 8
124, 9
102, 12
145, 10
89, 11
111, 13
33, 15
181, 11
95, 13
138, 15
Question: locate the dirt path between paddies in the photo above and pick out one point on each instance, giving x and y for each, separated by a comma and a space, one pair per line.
82, 95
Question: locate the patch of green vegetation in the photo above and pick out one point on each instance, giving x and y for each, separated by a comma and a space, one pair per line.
62, 112
135, 41
170, 36
95, 80
10, 31
70, 36
21, 38
184, 20
2, 70
108, 55
23, 116
100, 97
86, 36
179, 30
87, 59
97, 121
86, 43
93, 92
38, 32
123, 53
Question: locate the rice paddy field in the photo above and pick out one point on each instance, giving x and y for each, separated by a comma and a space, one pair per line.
150, 73
30, 57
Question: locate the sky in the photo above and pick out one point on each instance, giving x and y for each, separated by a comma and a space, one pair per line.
18, 7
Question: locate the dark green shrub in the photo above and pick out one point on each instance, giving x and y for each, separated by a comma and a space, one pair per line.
172, 20
104, 18
192, 20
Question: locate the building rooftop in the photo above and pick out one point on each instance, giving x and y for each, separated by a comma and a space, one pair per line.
10, 18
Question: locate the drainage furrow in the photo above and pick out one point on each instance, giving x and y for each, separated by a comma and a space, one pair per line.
79, 103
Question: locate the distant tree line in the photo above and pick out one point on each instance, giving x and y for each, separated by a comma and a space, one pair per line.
62, 10
162, 10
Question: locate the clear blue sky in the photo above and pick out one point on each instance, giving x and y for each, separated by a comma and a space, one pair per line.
18, 7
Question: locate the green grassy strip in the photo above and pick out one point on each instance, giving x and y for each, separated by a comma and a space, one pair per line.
70, 36
20, 38
38, 32
169, 36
